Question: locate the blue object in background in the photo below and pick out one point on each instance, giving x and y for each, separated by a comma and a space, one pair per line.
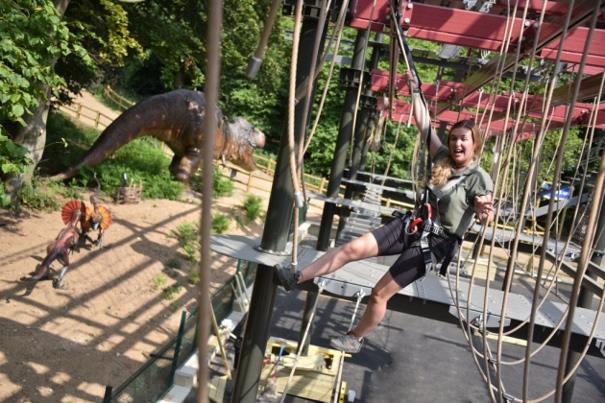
564, 192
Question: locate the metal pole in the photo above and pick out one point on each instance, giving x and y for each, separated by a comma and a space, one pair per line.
586, 300
215, 19
366, 114
342, 144
275, 237
177, 346
338, 165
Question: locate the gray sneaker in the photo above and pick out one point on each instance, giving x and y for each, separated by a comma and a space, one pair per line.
286, 277
349, 343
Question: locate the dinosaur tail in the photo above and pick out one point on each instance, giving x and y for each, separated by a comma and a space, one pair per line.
131, 124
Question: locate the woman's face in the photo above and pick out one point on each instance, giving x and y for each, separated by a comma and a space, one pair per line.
461, 146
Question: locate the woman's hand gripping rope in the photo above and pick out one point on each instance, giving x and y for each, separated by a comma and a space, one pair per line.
484, 208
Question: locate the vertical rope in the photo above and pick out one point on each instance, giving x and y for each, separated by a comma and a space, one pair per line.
215, 18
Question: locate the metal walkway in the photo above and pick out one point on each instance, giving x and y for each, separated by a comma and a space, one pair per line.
362, 275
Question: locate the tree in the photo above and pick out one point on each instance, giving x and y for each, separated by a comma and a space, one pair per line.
32, 38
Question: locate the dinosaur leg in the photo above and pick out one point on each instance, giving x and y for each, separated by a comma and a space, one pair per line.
58, 279
189, 164
40, 273
175, 163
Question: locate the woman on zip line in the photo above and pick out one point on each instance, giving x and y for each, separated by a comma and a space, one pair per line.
458, 189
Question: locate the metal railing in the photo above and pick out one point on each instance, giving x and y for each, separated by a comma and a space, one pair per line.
154, 378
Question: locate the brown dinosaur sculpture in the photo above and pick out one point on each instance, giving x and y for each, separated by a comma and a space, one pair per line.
175, 118
59, 250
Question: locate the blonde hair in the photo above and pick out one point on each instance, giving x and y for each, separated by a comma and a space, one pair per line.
442, 169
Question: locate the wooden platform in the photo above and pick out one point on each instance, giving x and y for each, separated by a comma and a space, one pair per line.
315, 374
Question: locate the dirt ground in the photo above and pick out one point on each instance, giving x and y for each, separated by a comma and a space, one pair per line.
65, 345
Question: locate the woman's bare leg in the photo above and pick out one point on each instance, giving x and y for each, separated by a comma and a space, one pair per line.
359, 248
377, 305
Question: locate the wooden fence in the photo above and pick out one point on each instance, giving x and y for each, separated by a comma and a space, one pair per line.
89, 116
120, 101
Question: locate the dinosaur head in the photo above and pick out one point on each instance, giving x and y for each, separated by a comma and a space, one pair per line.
241, 139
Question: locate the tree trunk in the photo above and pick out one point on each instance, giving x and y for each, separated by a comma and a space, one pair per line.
33, 135
33, 138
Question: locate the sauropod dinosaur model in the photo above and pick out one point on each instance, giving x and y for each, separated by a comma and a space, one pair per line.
176, 118
59, 250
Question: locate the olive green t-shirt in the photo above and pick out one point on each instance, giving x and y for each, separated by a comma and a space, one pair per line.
456, 207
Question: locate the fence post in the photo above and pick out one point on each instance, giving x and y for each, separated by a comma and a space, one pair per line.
321, 185
107, 395
177, 346
269, 166
97, 119
78, 111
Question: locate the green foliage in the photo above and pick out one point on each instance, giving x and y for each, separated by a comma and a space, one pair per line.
37, 197
194, 276
220, 223
31, 34
13, 160
158, 281
187, 234
102, 27
252, 207
222, 186
169, 293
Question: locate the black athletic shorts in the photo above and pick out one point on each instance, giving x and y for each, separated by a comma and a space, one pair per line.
409, 266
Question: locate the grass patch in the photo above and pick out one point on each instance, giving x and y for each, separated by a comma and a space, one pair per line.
222, 186
169, 293
252, 207
187, 234
39, 197
158, 282
194, 276
220, 223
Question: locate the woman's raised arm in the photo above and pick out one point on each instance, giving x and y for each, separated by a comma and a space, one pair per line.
421, 115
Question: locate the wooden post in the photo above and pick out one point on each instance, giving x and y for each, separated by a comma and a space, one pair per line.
78, 111
97, 119
322, 183
389, 202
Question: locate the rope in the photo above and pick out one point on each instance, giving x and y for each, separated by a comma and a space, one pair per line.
360, 294
215, 18
338, 28
321, 285
292, 161
527, 361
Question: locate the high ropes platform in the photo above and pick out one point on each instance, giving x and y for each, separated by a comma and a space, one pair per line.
523, 70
